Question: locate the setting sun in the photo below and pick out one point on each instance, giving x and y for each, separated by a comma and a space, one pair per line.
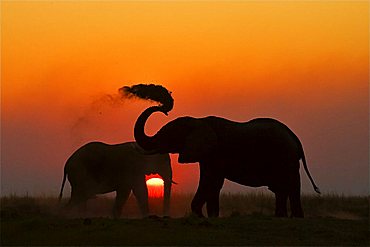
155, 187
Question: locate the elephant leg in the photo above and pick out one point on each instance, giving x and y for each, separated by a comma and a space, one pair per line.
78, 201
213, 197
198, 201
122, 195
78, 198
213, 204
295, 204
281, 199
167, 196
141, 193
200, 196
295, 196
208, 192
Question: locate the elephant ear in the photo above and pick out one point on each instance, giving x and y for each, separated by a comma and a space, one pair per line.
199, 144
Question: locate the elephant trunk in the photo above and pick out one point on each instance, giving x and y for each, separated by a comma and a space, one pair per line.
166, 173
144, 141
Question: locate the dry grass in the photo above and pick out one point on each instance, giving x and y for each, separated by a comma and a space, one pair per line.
336, 206
331, 220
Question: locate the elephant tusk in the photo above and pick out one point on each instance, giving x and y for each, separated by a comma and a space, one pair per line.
165, 112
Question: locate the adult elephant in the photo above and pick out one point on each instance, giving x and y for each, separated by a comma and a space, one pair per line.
98, 168
260, 152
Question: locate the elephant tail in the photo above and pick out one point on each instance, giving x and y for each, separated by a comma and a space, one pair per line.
64, 181
309, 175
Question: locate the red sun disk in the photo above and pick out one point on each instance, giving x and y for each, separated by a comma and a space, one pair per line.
155, 187
147, 177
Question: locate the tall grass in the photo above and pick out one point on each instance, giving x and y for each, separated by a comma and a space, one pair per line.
332, 220
330, 205
327, 205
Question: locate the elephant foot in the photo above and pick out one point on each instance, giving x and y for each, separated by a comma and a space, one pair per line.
213, 215
297, 215
197, 214
116, 213
153, 217
300, 217
116, 216
196, 210
281, 214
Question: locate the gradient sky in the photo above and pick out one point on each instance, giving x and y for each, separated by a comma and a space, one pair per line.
303, 63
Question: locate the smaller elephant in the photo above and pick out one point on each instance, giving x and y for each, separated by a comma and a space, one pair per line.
98, 168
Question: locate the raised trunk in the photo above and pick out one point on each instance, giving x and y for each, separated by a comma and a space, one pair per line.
144, 141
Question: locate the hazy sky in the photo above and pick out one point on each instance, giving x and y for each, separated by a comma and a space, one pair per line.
303, 63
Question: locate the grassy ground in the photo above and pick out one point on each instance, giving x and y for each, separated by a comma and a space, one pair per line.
246, 220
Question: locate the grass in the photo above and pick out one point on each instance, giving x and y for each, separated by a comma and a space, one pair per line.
246, 220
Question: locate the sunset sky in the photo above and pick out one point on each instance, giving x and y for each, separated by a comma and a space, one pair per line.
303, 63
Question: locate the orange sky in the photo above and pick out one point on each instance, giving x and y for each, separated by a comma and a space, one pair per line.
304, 63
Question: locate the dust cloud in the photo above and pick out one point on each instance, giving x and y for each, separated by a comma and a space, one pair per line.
151, 92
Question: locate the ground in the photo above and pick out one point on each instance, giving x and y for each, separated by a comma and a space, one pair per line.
35, 221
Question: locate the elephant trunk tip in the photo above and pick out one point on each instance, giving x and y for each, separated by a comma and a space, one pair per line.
156, 93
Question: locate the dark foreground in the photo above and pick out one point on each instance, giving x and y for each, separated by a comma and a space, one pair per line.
27, 222
246, 230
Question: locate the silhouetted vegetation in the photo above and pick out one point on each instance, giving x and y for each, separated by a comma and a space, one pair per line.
247, 219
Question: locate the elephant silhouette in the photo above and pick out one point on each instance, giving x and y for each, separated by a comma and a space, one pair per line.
98, 168
260, 152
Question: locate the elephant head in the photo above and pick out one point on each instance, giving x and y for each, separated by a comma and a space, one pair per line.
191, 138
